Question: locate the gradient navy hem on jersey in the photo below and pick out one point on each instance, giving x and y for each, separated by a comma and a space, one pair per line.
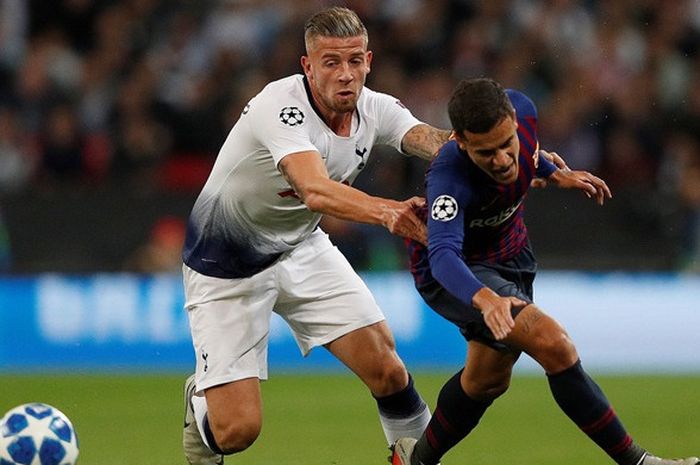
471, 218
225, 259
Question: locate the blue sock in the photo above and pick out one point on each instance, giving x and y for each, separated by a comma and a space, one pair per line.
456, 414
585, 404
401, 404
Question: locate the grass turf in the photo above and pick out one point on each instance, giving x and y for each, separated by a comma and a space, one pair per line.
331, 420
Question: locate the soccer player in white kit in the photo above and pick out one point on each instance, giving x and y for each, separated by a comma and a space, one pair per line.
254, 246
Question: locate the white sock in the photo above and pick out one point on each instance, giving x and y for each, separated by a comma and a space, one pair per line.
199, 405
407, 427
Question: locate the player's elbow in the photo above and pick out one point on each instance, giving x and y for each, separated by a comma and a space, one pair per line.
316, 194
314, 199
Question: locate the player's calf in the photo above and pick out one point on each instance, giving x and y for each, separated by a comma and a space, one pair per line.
196, 451
236, 437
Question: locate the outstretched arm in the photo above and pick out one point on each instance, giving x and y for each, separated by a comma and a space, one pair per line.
591, 185
424, 141
307, 175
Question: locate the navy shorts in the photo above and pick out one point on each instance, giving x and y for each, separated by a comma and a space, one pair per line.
512, 278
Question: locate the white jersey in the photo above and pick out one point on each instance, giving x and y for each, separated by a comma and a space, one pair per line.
247, 214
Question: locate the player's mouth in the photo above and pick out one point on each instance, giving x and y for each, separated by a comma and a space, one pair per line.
504, 174
346, 93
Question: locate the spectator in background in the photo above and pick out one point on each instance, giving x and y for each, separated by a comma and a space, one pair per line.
605, 72
17, 159
162, 251
690, 200
14, 16
5, 251
680, 179
62, 145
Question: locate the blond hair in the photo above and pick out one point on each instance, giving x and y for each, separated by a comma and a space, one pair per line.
334, 22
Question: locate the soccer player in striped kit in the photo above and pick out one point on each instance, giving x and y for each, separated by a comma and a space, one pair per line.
478, 270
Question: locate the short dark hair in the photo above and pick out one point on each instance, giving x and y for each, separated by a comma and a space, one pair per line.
478, 105
334, 22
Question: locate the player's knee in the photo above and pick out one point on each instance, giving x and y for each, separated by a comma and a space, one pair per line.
388, 377
556, 351
394, 378
484, 390
237, 437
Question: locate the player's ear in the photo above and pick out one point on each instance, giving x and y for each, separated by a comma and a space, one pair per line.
460, 139
306, 65
368, 60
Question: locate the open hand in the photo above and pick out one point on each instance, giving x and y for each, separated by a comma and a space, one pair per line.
497, 311
592, 186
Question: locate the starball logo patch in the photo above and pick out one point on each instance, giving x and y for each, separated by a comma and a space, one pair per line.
291, 116
444, 208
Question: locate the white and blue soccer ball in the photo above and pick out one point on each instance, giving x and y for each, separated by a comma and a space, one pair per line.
37, 434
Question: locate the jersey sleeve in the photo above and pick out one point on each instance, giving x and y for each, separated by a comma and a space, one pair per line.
280, 125
448, 197
393, 118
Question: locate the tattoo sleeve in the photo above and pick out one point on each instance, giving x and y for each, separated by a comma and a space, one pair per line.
424, 141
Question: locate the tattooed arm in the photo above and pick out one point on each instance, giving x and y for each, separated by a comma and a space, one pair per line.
424, 141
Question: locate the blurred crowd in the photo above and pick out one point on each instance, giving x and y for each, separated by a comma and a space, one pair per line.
141, 93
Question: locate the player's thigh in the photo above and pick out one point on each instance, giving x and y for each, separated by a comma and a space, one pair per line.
229, 321
488, 370
321, 297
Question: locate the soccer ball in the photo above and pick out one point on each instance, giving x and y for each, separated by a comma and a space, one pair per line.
37, 434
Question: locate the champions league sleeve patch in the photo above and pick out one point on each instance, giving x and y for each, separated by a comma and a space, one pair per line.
291, 116
444, 208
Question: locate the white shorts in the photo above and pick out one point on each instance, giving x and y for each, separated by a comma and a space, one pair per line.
312, 287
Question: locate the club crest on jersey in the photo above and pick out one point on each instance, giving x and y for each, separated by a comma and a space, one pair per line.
291, 116
361, 154
444, 208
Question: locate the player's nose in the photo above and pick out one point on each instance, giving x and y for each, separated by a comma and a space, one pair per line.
502, 159
345, 73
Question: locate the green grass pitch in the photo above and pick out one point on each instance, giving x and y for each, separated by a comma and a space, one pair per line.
331, 420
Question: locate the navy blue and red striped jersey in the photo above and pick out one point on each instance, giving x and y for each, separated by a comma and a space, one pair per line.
472, 218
